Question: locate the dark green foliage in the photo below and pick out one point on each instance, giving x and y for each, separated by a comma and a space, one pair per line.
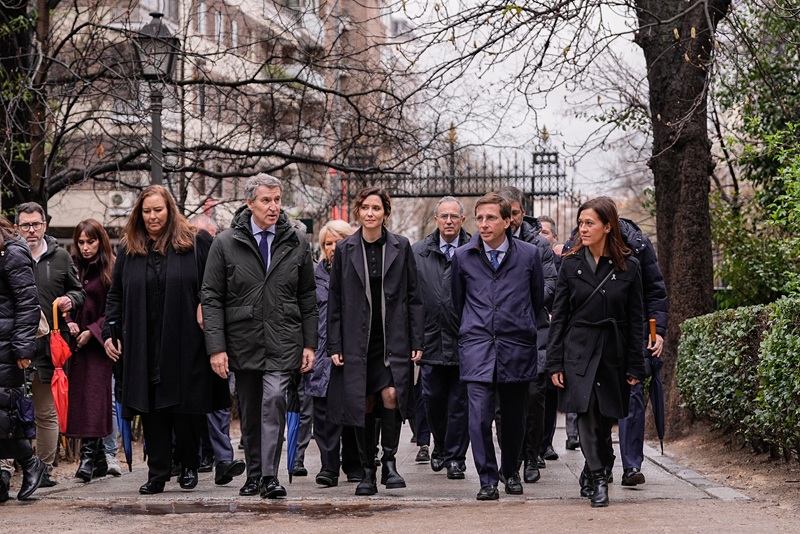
740, 368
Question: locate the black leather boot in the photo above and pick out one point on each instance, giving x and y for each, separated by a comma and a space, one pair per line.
100, 462
585, 480
600, 482
33, 470
365, 440
390, 441
86, 465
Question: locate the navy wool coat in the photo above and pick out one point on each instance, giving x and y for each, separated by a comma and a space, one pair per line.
497, 311
349, 320
597, 345
316, 382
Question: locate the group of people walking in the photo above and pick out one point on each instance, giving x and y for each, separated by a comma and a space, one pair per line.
489, 320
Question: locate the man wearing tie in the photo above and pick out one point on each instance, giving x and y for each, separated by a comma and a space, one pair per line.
260, 319
497, 290
444, 395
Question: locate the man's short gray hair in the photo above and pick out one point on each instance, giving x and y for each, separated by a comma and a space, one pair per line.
258, 180
512, 194
448, 199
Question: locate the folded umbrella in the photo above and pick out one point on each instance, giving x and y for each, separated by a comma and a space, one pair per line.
124, 427
657, 398
60, 353
292, 421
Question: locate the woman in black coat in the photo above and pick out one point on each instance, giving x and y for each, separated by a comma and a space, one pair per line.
594, 351
375, 331
19, 319
166, 374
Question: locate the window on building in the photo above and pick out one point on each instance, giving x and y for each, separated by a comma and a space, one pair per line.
202, 13
234, 34
218, 32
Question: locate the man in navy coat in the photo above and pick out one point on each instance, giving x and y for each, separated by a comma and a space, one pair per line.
497, 290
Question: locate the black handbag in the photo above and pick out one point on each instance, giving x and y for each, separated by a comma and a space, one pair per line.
25, 414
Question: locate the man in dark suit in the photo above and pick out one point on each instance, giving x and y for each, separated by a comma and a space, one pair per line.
497, 290
444, 395
260, 319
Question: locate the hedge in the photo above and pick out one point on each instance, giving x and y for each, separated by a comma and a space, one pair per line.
740, 368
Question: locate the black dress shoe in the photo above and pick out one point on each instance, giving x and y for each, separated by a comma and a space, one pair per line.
151, 487
488, 493
572, 444
437, 463
454, 471
423, 455
188, 479
354, 477
540, 462
299, 470
250, 487
206, 464
48, 481
550, 454
632, 477
5, 482
532, 473
513, 485
226, 471
271, 488
327, 479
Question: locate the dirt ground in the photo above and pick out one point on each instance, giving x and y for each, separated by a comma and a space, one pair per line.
724, 459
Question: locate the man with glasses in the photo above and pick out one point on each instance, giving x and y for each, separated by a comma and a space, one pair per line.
497, 291
56, 281
443, 393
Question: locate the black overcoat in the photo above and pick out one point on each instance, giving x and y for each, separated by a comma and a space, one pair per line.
188, 385
597, 345
349, 319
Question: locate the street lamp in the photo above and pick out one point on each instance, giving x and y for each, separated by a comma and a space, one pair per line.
156, 52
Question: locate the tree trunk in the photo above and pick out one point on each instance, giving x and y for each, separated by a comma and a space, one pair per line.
677, 42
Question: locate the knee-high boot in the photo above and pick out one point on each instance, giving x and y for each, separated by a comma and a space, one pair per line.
365, 440
86, 465
100, 462
390, 441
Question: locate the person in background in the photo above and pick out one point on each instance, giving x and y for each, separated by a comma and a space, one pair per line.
594, 352
154, 294
57, 282
444, 393
216, 450
498, 293
260, 317
89, 414
375, 332
19, 320
330, 438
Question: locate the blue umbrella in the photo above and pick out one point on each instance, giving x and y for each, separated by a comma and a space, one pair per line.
124, 427
292, 421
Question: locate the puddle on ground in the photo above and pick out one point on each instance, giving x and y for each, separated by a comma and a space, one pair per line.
308, 510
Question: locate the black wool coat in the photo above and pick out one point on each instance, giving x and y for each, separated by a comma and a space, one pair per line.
596, 345
188, 385
349, 321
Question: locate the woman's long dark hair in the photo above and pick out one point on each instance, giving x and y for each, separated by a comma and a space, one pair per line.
177, 232
104, 258
6, 232
607, 212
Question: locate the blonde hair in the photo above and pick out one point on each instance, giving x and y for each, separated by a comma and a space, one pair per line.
337, 228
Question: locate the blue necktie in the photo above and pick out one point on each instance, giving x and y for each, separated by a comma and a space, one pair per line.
448, 251
494, 259
263, 247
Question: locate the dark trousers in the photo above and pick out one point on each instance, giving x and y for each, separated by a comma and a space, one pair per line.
535, 421
327, 436
421, 427
262, 405
446, 406
159, 428
216, 439
16, 448
550, 416
571, 423
306, 424
631, 430
595, 431
512, 399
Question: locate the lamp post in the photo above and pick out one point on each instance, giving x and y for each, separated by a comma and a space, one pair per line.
156, 50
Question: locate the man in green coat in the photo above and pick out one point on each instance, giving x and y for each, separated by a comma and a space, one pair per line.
260, 320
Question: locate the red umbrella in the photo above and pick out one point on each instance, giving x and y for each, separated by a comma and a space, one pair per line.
60, 353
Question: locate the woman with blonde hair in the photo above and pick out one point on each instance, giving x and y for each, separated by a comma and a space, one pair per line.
154, 298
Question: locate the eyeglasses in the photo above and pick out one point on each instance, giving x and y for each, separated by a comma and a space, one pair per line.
489, 219
451, 216
27, 226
